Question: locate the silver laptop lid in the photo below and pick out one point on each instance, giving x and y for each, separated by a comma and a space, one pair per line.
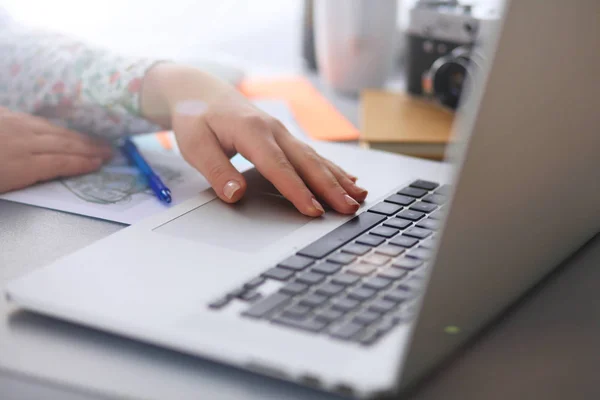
527, 193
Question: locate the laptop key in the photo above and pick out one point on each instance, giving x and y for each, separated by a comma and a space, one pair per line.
411, 215
404, 241
294, 288
385, 208
396, 296
366, 318
326, 268
361, 269
307, 324
297, 263
376, 259
219, 303
400, 200
361, 293
392, 273
356, 249
346, 331
341, 258
397, 223
310, 278
345, 279
342, 235
384, 231
407, 263
329, 289
255, 282
426, 185
377, 283
431, 224
369, 337
312, 300
420, 253
328, 315
382, 306
296, 311
413, 192
418, 233
267, 305
370, 240
435, 199
344, 304
279, 274
250, 295
389, 250
424, 207
428, 243
444, 190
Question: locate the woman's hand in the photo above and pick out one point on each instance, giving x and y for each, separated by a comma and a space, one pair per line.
212, 122
34, 150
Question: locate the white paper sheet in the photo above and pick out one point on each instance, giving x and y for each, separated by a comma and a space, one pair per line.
118, 193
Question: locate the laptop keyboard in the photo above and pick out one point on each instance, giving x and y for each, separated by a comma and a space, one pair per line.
360, 280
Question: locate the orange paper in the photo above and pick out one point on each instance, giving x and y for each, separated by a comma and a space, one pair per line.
315, 115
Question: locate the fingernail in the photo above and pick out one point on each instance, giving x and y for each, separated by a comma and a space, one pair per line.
360, 190
230, 188
350, 200
318, 206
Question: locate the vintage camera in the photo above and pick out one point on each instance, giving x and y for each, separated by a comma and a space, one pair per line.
442, 37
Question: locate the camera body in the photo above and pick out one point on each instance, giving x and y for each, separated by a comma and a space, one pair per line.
440, 39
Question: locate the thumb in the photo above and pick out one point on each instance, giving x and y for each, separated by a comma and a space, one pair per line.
201, 148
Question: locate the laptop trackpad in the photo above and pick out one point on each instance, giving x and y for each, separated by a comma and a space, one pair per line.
258, 220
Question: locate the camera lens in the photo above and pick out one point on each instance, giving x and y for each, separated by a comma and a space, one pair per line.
448, 82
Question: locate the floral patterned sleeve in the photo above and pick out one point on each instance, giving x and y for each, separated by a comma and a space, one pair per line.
87, 89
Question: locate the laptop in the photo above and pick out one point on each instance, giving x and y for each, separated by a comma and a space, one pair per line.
367, 305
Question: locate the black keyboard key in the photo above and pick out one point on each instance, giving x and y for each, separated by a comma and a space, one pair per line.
361, 293
382, 306
397, 296
389, 250
385, 208
423, 207
344, 304
397, 223
341, 258
312, 300
326, 268
356, 249
432, 224
329, 289
428, 244
370, 240
400, 200
328, 315
411, 215
307, 324
296, 311
443, 190
376, 259
310, 278
366, 318
297, 263
361, 269
369, 337
384, 231
411, 285
237, 292
437, 215
385, 325
341, 235
280, 274
426, 185
255, 282
219, 303
435, 199
346, 331
407, 263
392, 273
413, 192
377, 283
294, 288
345, 279
267, 305
418, 233
420, 253
404, 241
250, 295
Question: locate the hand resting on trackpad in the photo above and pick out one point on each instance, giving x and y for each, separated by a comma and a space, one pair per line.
261, 218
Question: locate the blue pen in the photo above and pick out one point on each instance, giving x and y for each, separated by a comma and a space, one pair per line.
132, 153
